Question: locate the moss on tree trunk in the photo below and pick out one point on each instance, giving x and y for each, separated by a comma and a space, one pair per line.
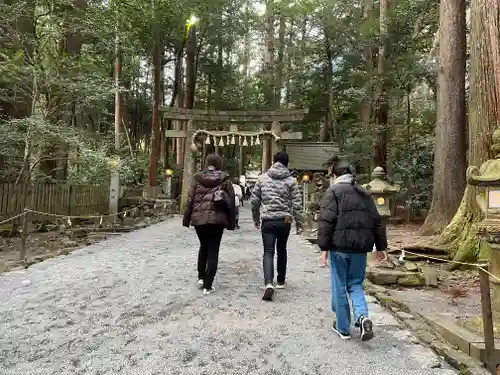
459, 236
484, 118
450, 160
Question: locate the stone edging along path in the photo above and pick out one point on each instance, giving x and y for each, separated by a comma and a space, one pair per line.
426, 330
71, 239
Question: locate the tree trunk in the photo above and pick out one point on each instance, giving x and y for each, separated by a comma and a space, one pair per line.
290, 57
379, 150
366, 104
171, 144
163, 123
178, 124
269, 79
154, 153
118, 111
280, 63
190, 68
219, 82
329, 124
22, 39
54, 160
451, 126
246, 50
18, 98
484, 118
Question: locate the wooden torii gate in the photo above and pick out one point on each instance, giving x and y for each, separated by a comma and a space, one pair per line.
192, 116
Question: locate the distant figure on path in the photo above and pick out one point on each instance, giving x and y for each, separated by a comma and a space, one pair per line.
349, 225
210, 209
275, 200
238, 200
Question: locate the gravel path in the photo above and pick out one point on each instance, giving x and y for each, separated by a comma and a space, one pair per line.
130, 305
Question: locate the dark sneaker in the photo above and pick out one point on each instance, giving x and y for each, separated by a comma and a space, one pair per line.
268, 293
342, 335
281, 285
366, 328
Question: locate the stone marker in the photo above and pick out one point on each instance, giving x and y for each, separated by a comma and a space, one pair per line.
384, 276
410, 266
412, 279
430, 276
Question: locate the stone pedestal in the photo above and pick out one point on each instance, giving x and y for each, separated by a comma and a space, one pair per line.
151, 192
166, 204
489, 231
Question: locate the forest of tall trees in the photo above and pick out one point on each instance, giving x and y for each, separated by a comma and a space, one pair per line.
411, 85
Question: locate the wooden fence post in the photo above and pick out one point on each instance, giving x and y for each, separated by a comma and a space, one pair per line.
489, 339
70, 193
24, 236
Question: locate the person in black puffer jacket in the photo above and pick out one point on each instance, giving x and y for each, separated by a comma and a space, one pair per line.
349, 226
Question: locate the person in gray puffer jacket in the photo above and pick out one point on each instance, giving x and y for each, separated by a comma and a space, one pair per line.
275, 200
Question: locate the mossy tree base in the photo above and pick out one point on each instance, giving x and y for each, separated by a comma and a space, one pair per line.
459, 236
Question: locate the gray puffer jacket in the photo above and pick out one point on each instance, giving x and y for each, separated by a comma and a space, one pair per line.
276, 195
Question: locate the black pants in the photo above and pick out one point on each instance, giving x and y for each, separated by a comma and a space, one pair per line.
210, 236
275, 234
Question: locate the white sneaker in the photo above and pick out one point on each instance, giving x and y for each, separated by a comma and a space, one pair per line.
366, 328
280, 285
200, 283
342, 335
268, 292
208, 291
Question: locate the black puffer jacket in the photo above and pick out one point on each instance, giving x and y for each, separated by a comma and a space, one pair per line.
348, 219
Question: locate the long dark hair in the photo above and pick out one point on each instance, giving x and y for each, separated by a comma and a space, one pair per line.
213, 160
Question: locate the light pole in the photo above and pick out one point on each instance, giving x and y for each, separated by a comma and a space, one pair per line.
114, 186
114, 183
168, 188
305, 188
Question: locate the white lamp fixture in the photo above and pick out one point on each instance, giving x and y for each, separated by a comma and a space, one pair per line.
493, 198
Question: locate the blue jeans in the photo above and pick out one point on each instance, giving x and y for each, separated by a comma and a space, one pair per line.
347, 272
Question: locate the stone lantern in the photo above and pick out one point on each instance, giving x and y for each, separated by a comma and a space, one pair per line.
381, 192
488, 230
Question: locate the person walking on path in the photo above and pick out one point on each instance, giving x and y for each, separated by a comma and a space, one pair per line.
210, 209
238, 200
238, 190
349, 226
248, 192
275, 200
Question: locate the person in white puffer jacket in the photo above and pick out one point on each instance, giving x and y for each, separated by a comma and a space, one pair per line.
238, 199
